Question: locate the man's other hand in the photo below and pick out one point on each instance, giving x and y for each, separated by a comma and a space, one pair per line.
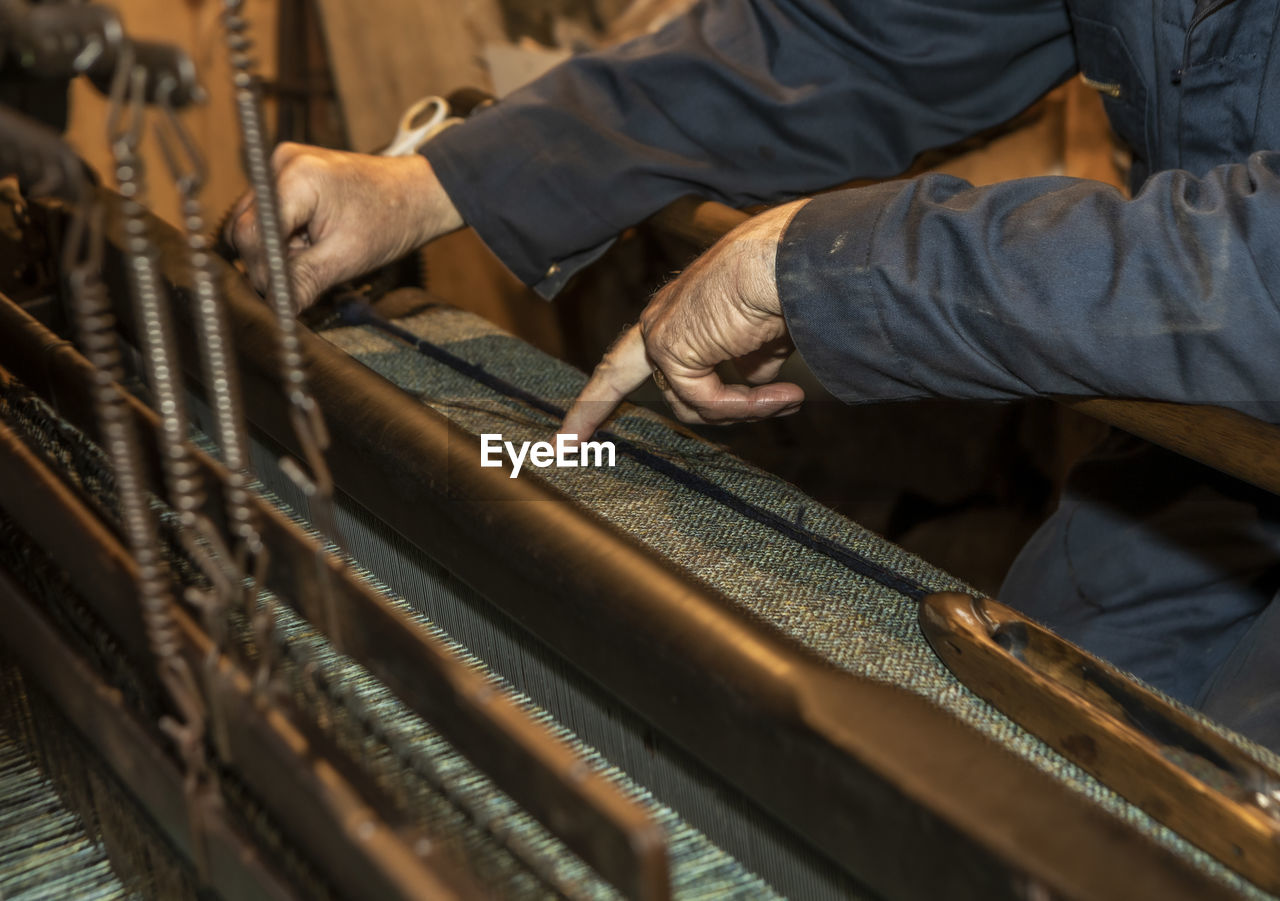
724, 307
342, 214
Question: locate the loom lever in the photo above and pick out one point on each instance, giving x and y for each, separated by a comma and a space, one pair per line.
60, 40
169, 75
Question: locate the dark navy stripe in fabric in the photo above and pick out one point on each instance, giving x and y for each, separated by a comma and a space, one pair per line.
354, 313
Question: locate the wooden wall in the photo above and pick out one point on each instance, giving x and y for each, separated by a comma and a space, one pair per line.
196, 26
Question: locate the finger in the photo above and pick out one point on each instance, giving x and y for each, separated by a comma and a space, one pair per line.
297, 208
714, 401
623, 369
681, 410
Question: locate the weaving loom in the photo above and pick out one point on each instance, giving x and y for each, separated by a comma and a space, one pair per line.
727, 649
673, 677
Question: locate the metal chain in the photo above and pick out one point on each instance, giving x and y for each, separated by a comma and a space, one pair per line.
239, 578
222, 379
124, 128
305, 416
95, 326
151, 308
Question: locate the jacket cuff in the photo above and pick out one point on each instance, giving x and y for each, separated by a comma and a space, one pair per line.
497, 177
834, 295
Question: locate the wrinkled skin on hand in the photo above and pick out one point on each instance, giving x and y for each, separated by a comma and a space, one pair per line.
724, 307
343, 214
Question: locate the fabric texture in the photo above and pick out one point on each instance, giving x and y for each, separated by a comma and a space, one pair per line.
699, 870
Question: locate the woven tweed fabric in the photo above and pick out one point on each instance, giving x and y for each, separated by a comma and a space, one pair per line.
787, 577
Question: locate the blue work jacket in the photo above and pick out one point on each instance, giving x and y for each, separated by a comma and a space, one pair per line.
929, 287
933, 287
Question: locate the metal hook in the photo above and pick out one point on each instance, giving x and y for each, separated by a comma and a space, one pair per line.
315, 480
82, 249
188, 734
191, 177
128, 92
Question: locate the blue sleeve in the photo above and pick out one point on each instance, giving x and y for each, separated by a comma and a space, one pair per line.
741, 101
1044, 286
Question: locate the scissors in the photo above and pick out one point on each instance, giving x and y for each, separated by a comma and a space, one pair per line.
419, 124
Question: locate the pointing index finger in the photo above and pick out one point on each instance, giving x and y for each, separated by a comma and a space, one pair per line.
623, 369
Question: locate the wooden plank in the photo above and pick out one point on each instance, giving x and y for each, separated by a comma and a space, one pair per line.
1227, 440
385, 54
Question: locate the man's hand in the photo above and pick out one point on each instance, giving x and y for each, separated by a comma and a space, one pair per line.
343, 214
723, 307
